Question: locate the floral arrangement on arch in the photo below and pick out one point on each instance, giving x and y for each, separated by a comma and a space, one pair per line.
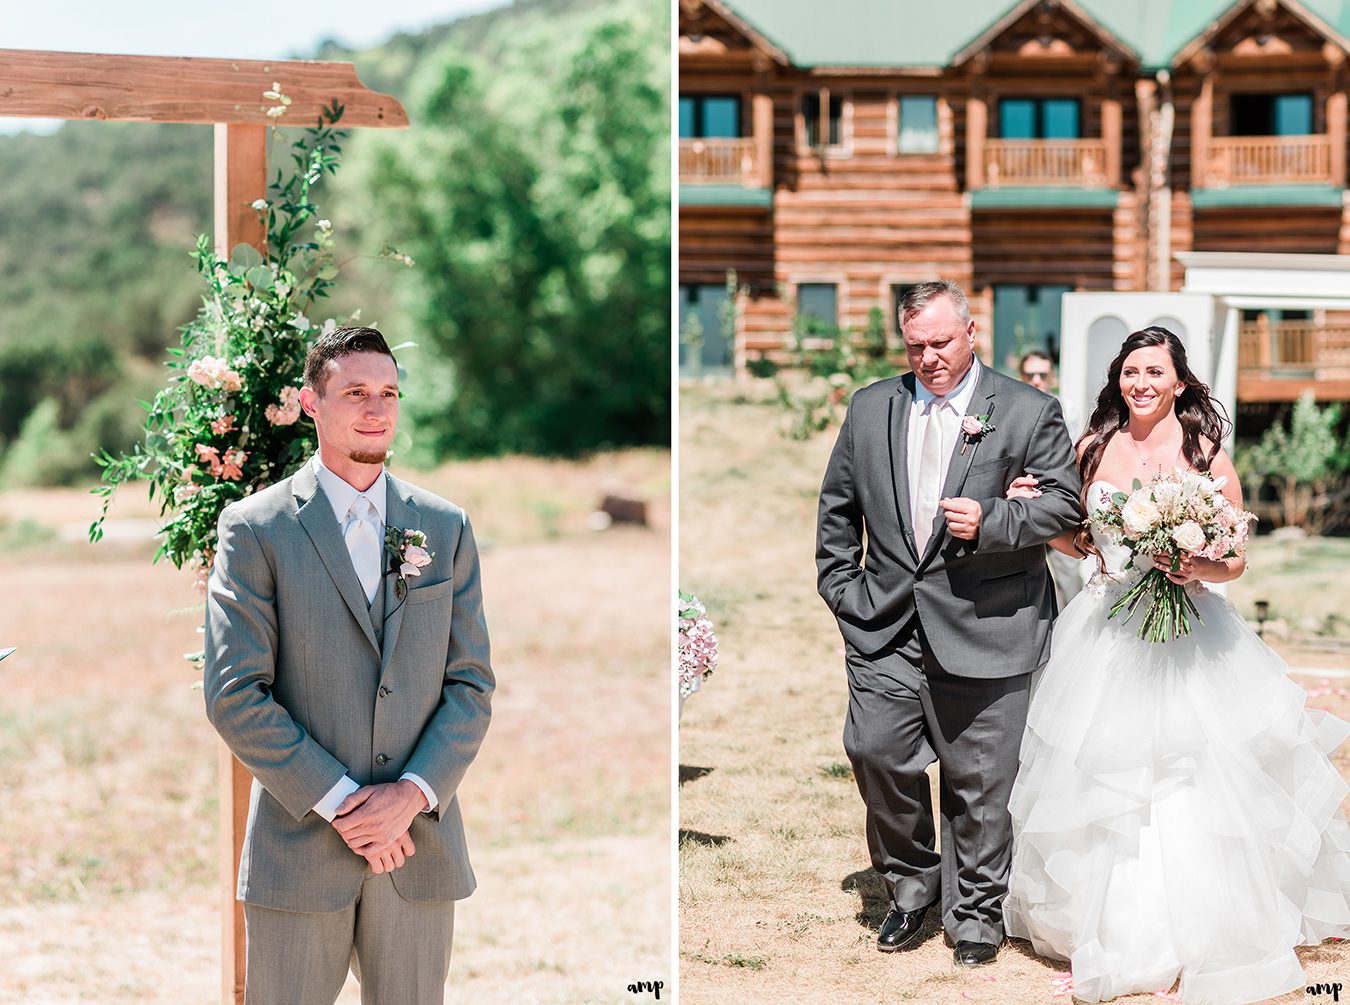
227, 422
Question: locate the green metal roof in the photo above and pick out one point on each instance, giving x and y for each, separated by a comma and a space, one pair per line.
1030, 196
1267, 195
903, 33
724, 195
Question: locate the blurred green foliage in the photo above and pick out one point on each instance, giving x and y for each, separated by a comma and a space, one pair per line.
98, 220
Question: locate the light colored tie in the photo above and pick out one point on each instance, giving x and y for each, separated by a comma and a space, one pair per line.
930, 474
363, 543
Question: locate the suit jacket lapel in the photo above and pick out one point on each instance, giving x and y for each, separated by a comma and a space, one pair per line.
316, 516
901, 406
981, 403
402, 514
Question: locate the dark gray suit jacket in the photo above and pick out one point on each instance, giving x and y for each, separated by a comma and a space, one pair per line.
300, 689
986, 606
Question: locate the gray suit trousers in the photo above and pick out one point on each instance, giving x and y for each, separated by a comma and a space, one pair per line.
399, 950
904, 712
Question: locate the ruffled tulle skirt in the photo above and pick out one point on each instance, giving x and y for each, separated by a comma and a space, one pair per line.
1175, 813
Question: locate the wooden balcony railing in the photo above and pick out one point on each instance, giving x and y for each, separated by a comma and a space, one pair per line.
1294, 349
1268, 160
717, 161
1046, 162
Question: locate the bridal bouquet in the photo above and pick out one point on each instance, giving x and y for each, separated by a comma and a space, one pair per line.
698, 643
1183, 513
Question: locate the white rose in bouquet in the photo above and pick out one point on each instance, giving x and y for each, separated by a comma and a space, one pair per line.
1139, 514
1190, 536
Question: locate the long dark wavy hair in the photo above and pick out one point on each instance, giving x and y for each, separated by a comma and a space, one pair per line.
1197, 411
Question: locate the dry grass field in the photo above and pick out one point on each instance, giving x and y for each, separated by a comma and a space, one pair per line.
777, 899
109, 885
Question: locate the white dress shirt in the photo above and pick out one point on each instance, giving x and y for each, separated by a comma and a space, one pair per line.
950, 413
341, 494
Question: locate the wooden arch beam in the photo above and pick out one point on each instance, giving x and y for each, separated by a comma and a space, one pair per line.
228, 94
79, 85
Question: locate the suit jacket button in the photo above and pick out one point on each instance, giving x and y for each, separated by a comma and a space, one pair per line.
382, 759
384, 691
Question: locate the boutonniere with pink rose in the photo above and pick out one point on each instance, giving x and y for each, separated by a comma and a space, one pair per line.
975, 427
408, 555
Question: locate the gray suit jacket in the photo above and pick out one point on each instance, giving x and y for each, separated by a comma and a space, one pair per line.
986, 606
300, 690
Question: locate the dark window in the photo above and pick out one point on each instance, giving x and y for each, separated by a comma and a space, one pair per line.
1271, 115
1038, 119
1026, 318
818, 305
704, 319
811, 117
710, 116
898, 291
918, 124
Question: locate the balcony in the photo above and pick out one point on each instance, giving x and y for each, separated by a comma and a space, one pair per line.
719, 161
1047, 163
1268, 160
1278, 360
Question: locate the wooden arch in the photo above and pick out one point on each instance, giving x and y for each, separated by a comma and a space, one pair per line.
226, 93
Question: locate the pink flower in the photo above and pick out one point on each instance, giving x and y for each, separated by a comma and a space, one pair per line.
416, 557
288, 411
212, 372
972, 426
408, 569
211, 456
222, 425
231, 381
232, 466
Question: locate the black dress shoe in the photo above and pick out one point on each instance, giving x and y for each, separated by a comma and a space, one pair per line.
901, 929
974, 954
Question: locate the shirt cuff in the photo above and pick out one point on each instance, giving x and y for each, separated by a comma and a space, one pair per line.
421, 783
327, 806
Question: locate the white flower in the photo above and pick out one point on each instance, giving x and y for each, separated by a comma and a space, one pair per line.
1190, 536
408, 569
300, 321
1139, 514
282, 289
259, 204
325, 225
276, 111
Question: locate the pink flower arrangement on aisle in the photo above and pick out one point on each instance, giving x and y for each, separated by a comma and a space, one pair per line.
1183, 513
698, 643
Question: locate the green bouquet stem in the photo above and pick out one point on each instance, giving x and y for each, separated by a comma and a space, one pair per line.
1168, 608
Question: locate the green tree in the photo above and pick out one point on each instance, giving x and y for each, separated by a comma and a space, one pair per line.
1302, 461
535, 200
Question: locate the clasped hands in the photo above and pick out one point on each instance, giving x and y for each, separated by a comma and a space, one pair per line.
374, 822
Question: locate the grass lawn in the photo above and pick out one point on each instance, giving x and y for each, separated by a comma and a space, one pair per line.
778, 902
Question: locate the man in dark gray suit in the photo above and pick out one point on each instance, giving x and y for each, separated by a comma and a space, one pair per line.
945, 612
348, 668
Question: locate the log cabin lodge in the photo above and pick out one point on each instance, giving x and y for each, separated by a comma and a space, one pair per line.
833, 154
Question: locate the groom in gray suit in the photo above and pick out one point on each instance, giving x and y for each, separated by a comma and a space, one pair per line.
945, 610
351, 675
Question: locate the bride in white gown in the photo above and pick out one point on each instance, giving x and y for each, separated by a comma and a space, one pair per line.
1175, 815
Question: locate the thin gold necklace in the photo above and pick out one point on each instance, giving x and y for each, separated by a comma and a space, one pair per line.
1146, 459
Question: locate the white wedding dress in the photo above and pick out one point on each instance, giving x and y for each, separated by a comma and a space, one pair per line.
1175, 813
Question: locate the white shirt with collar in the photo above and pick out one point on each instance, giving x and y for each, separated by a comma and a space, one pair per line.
341, 494
952, 410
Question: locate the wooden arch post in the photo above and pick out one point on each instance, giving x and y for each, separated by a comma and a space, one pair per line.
228, 94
